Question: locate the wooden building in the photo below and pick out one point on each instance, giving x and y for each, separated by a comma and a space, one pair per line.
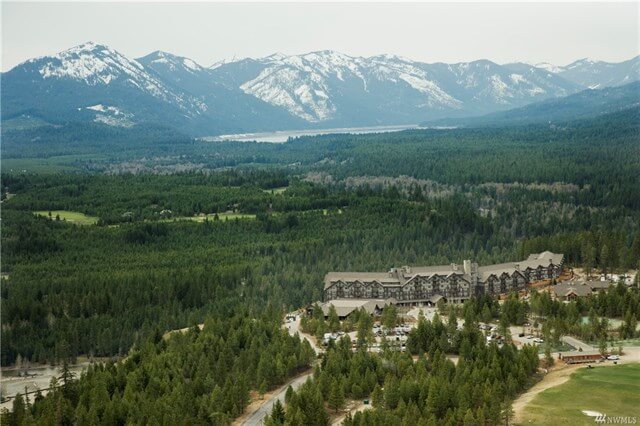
580, 357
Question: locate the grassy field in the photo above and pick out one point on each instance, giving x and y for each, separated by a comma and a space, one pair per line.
611, 390
276, 191
221, 216
69, 216
58, 164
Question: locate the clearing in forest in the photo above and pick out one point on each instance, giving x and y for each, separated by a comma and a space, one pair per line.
610, 390
68, 216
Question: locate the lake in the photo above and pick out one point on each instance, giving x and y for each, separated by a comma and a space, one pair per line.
283, 135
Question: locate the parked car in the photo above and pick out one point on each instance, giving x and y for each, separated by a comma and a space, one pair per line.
538, 340
613, 357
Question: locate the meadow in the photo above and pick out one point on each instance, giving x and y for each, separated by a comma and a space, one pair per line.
68, 216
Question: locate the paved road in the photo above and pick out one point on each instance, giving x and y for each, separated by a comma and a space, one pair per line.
257, 417
572, 341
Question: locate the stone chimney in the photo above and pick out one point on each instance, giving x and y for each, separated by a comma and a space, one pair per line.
467, 267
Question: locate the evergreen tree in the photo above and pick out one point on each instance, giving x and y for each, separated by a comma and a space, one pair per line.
336, 395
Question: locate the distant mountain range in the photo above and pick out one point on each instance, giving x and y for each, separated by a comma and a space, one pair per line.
585, 104
94, 83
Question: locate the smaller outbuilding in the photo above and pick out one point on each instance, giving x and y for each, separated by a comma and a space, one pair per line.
579, 357
572, 290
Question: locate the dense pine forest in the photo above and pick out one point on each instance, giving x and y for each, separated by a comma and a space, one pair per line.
196, 232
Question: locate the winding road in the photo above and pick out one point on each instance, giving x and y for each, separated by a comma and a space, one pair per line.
258, 416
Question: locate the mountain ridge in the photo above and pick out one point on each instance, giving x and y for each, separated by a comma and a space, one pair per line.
326, 88
589, 103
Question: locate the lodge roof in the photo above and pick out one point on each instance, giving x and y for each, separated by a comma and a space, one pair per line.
344, 307
579, 288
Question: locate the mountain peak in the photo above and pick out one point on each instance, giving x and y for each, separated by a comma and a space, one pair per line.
88, 47
548, 67
170, 60
581, 62
278, 56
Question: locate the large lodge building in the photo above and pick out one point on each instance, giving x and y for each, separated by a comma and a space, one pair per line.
454, 283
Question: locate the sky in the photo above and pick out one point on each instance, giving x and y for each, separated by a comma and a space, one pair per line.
558, 33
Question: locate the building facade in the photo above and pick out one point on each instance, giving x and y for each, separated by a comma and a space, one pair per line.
454, 283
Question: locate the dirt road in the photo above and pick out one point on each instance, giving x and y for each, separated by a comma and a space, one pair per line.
293, 327
354, 407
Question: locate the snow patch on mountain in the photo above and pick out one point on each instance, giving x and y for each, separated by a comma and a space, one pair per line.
111, 116
517, 78
302, 93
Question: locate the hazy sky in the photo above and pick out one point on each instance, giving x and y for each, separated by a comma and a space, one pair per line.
432, 32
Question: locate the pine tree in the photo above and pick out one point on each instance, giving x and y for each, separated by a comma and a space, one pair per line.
506, 412
377, 397
334, 320
468, 418
336, 395
277, 413
288, 394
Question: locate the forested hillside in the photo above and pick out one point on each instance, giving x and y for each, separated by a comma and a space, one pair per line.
172, 247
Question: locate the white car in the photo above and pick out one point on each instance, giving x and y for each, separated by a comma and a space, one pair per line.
613, 357
538, 340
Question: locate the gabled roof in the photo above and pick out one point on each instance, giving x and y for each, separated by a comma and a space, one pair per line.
344, 307
597, 284
497, 270
544, 259
386, 278
565, 289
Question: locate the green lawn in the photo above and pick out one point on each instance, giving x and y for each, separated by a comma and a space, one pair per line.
69, 216
612, 390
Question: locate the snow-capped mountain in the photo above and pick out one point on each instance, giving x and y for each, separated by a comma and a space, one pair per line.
593, 74
65, 86
586, 104
93, 82
331, 86
99, 65
597, 74
178, 71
